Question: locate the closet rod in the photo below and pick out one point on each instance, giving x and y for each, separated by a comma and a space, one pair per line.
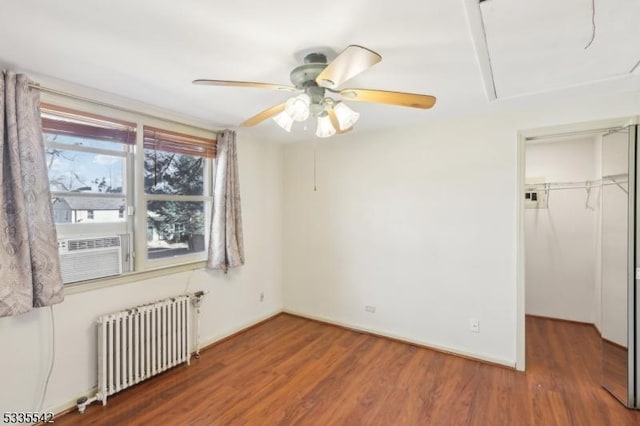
110, 105
543, 187
571, 184
560, 187
576, 133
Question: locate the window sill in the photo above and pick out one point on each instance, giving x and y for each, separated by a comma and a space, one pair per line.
99, 283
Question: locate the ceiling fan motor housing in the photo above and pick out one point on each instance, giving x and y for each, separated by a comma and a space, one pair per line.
305, 75
304, 78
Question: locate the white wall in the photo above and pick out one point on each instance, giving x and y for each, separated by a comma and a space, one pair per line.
232, 304
421, 223
561, 241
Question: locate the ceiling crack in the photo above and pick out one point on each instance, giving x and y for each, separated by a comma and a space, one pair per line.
593, 24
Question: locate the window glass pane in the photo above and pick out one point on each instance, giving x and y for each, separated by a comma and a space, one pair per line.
174, 228
70, 209
172, 173
84, 171
85, 142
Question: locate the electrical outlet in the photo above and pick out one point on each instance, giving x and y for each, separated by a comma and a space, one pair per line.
261, 296
474, 325
370, 309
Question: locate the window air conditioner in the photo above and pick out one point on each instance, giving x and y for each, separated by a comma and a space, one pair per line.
86, 258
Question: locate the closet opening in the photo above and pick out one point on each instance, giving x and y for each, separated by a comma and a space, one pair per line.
577, 256
562, 211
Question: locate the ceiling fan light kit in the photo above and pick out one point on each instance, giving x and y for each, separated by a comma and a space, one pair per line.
284, 120
346, 116
298, 107
324, 128
314, 79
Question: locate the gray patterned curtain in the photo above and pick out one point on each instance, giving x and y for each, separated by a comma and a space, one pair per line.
226, 249
29, 264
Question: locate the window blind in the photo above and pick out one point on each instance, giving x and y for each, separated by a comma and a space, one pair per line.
179, 143
65, 121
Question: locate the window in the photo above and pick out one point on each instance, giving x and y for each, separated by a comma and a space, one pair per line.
87, 158
93, 163
177, 192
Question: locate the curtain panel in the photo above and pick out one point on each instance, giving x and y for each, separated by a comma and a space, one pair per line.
226, 248
29, 263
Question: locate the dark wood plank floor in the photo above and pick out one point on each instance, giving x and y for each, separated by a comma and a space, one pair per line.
293, 371
615, 373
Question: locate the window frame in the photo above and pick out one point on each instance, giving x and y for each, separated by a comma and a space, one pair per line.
207, 198
135, 215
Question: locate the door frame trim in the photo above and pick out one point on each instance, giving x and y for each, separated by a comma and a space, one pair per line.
632, 263
523, 136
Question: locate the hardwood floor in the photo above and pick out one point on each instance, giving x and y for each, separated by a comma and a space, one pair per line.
293, 371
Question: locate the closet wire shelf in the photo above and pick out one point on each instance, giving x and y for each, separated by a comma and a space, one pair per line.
617, 179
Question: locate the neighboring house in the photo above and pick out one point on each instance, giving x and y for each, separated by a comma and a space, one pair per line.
157, 241
87, 209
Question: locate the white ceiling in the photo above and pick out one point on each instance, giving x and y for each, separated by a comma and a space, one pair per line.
151, 50
540, 45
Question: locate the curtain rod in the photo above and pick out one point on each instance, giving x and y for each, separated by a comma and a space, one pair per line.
109, 105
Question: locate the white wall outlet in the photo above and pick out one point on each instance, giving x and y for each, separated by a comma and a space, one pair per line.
474, 325
261, 296
370, 309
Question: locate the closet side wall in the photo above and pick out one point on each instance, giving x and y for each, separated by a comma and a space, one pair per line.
615, 234
561, 240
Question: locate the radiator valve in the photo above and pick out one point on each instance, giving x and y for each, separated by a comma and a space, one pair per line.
196, 301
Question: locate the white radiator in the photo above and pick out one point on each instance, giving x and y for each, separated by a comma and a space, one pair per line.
141, 342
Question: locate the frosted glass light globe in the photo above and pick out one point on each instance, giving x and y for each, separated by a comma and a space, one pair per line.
298, 107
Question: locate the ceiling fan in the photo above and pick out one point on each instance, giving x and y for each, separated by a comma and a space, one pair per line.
316, 79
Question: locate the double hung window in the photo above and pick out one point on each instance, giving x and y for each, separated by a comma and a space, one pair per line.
142, 193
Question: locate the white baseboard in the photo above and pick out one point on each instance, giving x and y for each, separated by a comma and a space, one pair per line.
422, 343
212, 340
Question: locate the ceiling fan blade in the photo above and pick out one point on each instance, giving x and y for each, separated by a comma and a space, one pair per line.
336, 123
350, 62
205, 82
261, 116
412, 100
